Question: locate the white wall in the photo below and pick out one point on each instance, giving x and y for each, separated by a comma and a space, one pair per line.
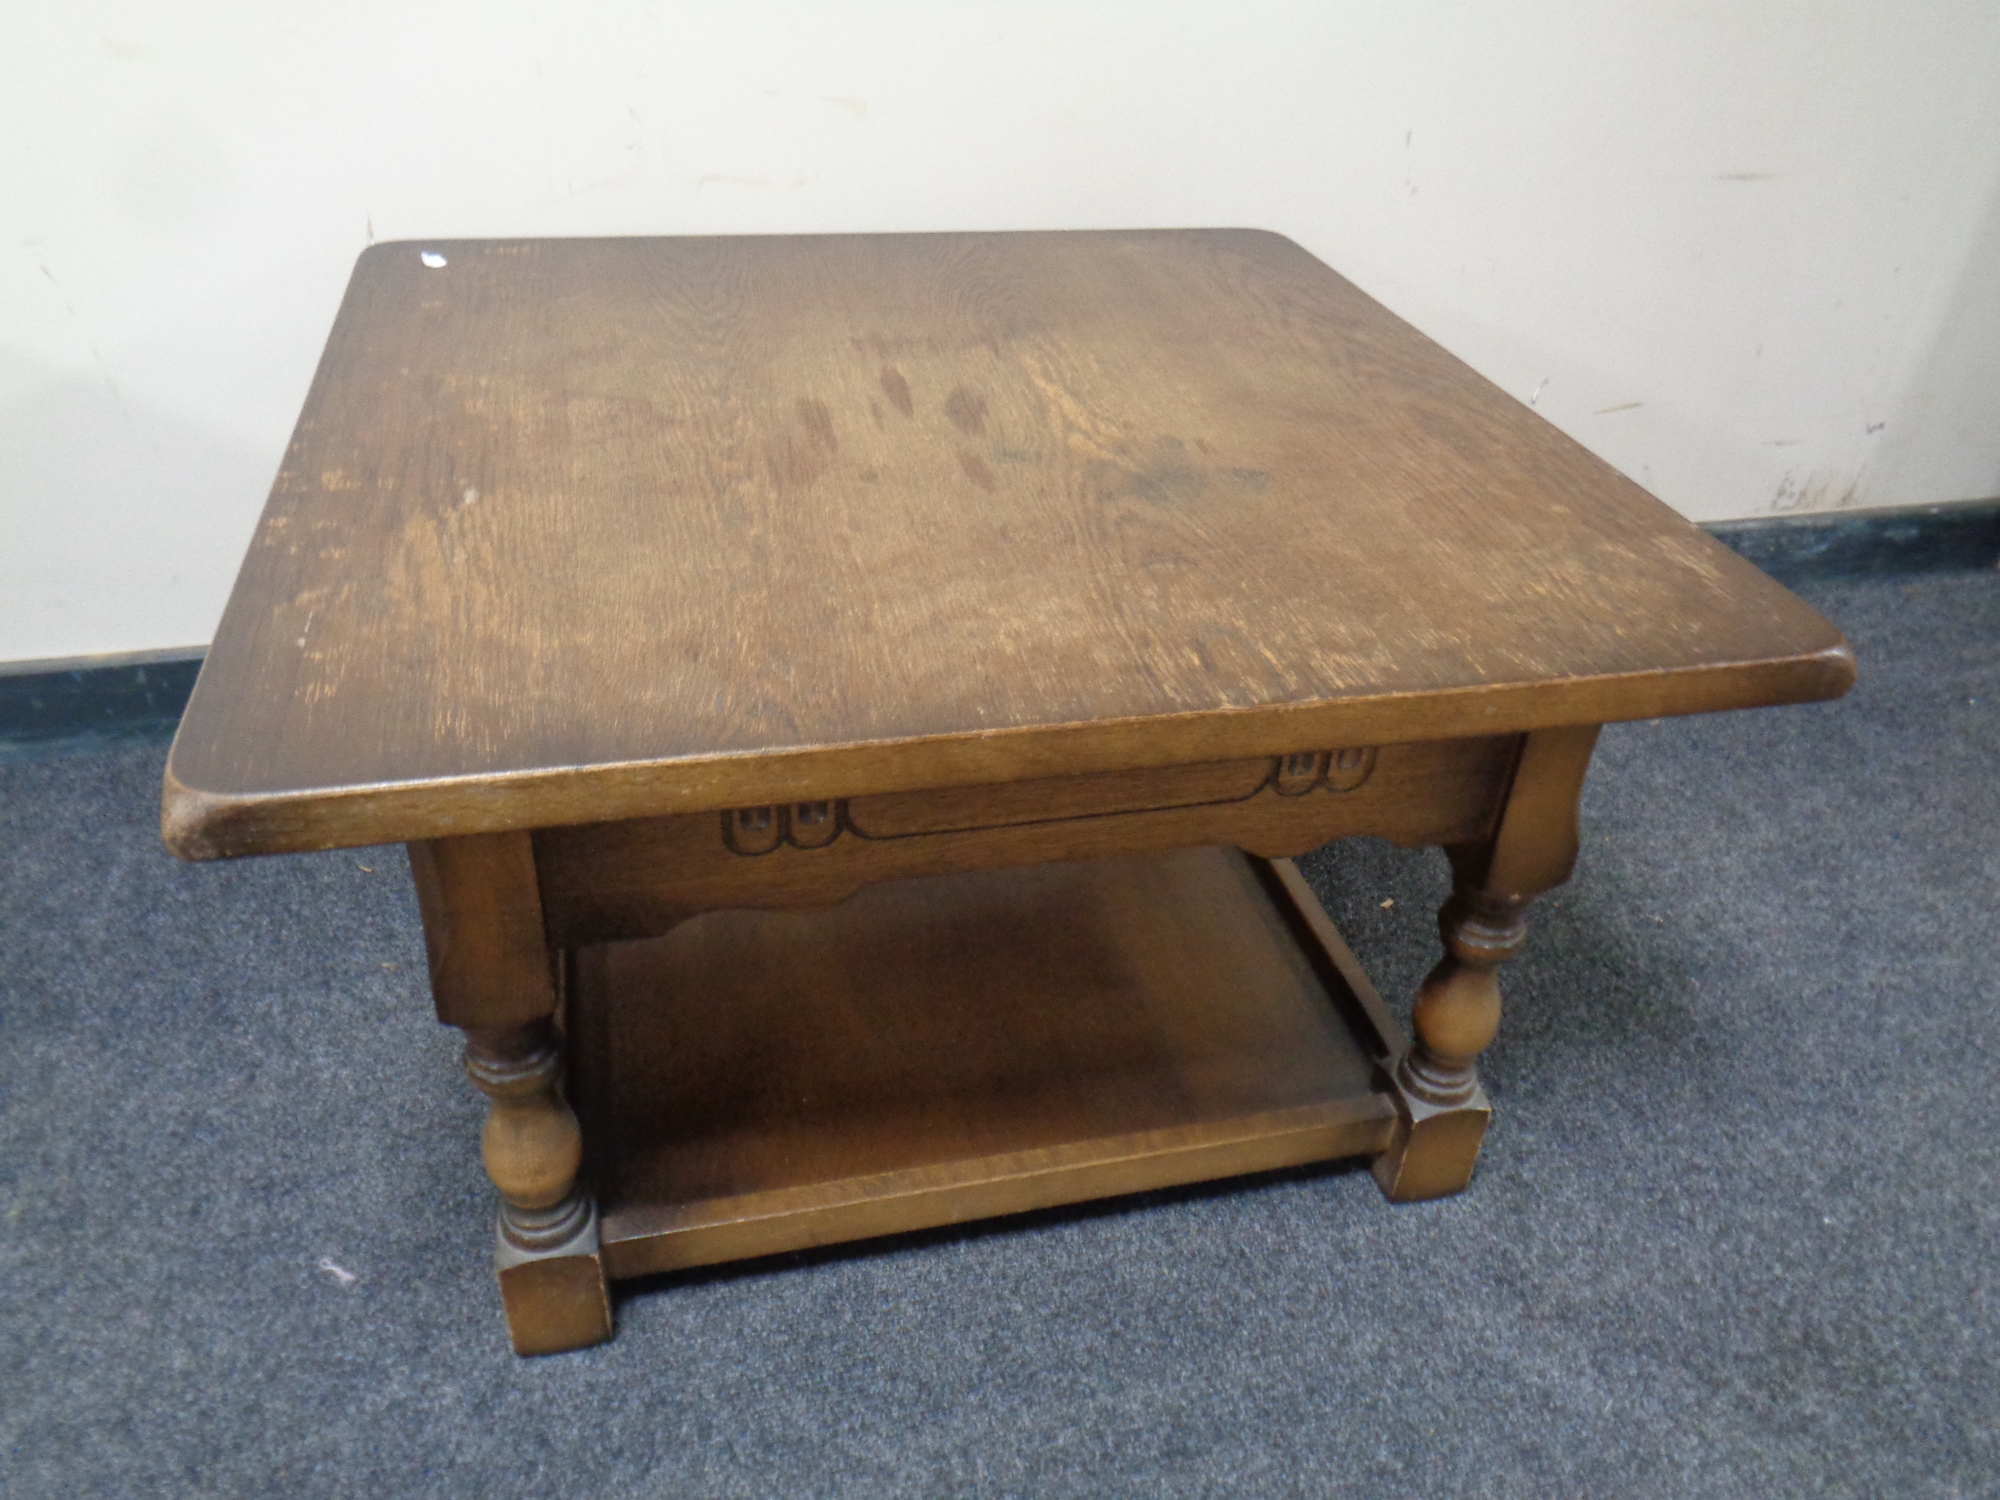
1750, 254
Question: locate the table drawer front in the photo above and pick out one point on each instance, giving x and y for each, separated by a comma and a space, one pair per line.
958, 809
616, 880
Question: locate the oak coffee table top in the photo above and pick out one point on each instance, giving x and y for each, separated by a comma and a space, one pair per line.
580, 530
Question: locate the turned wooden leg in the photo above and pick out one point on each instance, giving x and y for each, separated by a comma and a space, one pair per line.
1442, 1111
491, 977
551, 1276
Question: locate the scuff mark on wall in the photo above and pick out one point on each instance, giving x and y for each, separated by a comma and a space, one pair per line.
96, 355
1812, 493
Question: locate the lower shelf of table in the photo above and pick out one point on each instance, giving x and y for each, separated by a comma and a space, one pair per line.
957, 1047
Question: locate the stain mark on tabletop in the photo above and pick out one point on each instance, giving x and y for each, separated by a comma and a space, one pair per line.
966, 410
1163, 477
818, 421
801, 450
1605, 411
976, 469
897, 389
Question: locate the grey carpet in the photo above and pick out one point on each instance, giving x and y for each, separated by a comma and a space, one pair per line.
1734, 1232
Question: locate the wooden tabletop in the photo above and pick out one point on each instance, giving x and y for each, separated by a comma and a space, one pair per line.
584, 529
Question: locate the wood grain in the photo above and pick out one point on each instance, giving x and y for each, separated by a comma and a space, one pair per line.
953, 1047
577, 530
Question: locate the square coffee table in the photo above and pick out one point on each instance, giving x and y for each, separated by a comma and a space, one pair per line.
850, 702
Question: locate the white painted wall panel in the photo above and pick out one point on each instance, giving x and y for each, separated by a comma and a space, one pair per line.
1750, 255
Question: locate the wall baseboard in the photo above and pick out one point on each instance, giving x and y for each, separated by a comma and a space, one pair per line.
143, 692
95, 697
1868, 543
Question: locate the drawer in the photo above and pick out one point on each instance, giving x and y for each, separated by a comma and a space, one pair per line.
633, 879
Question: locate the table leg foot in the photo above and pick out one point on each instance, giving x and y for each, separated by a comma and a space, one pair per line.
553, 1286
1434, 1148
